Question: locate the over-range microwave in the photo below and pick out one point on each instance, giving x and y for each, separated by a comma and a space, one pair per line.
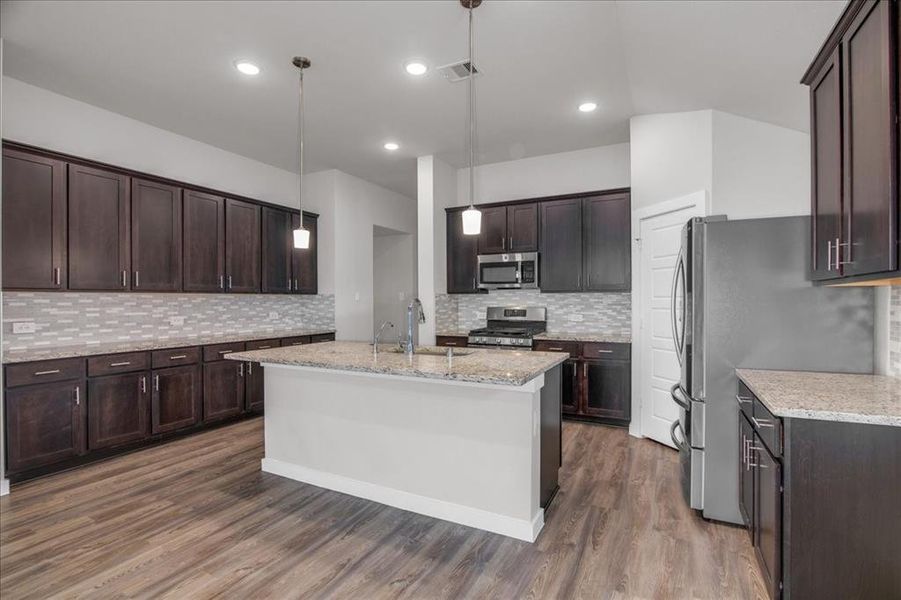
508, 271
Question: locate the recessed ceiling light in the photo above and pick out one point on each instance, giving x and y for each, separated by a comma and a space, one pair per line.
416, 67
246, 67
391, 146
587, 106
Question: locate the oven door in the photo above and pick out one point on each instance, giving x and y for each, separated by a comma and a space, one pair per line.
499, 271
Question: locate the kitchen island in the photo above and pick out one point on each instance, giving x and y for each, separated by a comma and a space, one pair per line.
473, 438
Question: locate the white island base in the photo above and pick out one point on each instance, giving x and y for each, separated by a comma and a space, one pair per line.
470, 453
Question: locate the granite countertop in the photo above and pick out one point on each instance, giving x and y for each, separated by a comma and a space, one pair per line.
590, 336
93, 349
503, 367
845, 397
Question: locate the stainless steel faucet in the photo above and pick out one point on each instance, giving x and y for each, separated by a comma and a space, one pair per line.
378, 334
409, 346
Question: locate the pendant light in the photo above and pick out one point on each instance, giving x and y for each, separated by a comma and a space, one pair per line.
472, 217
301, 235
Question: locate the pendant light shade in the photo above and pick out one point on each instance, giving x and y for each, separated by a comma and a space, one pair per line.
472, 217
301, 235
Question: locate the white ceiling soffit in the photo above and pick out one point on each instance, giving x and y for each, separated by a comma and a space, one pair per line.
170, 64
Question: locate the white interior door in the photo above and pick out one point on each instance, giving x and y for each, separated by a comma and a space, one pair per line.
661, 238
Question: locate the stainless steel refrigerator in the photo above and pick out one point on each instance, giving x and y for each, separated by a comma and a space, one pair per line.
741, 299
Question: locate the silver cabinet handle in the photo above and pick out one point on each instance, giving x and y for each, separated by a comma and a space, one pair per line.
263, 347
742, 400
178, 356
56, 275
77, 395
450, 343
143, 384
250, 368
229, 351
120, 364
222, 282
137, 278
554, 348
52, 372
240, 369
839, 261
503, 243
828, 255
124, 278
604, 351
474, 286
156, 383
229, 282
759, 423
755, 448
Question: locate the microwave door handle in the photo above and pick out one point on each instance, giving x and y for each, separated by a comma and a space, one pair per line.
673, 320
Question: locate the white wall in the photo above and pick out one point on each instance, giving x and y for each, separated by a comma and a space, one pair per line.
359, 206
600, 168
393, 257
4, 483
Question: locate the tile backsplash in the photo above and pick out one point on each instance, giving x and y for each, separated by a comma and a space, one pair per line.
576, 313
894, 332
68, 318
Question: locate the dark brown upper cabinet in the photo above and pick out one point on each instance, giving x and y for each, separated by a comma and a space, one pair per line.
493, 232
99, 244
561, 246
854, 146
277, 246
34, 221
156, 236
522, 227
462, 252
204, 242
242, 246
607, 256
305, 261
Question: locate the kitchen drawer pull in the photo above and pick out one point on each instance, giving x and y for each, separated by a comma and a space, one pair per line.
599, 351
53, 372
178, 356
759, 423
226, 351
120, 364
263, 347
555, 348
742, 400
450, 343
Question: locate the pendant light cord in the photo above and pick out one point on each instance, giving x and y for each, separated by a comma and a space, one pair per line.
472, 109
300, 112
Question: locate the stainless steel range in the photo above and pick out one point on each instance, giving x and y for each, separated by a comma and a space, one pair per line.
510, 327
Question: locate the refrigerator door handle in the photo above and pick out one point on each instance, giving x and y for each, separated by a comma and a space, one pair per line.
680, 444
680, 401
673, 314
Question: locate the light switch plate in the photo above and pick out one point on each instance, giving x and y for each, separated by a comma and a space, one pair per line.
24, 327
176, 321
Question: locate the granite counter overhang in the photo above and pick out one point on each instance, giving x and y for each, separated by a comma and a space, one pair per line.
498, 367
844, 397
97, 349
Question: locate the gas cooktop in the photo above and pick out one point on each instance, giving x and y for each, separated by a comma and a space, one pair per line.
510, 327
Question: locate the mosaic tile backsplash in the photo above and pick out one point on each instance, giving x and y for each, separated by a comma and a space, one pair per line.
68, 318
894, 332
576, 313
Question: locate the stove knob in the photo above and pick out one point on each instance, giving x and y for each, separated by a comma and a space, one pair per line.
499, 341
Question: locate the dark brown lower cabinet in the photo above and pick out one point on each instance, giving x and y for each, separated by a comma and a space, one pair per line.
118, 409
569, 399
253, 375
768, 515
223, 389
44, 424
608, 389
177, 400
745, 474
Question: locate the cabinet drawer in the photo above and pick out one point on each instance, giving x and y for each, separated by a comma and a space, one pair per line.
118, 363
296, 341
745, 400
322, 337
574, 349
262, 344
161, 359
451, 340
606, 350
45, 371
217, 352
768, 427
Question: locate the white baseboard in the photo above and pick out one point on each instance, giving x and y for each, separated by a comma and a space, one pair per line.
521, 529
4, 487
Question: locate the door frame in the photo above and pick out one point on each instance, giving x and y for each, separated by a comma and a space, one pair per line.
699, 198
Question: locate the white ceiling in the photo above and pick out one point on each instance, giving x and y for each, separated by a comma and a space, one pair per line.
170, 64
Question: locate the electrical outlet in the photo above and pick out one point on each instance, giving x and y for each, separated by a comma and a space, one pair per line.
357, 297
24, 327
273, 315
401, 296
176, 321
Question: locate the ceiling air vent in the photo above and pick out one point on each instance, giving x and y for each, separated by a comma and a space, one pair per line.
458, 71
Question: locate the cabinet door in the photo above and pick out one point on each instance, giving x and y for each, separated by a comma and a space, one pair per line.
118, 409
242, 246
204, 234
768, 515
223, 389
253, 388
561, 246
177, 398
156, 236
99, 243
44, 424
493, 234
305, 263
277, 251
34, 221
745, 473
462, 253
871, 193
522, 227
608, 385
826, 168
607, 255
571, 387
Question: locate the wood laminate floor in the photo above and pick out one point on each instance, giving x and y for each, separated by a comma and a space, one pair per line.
197, 518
